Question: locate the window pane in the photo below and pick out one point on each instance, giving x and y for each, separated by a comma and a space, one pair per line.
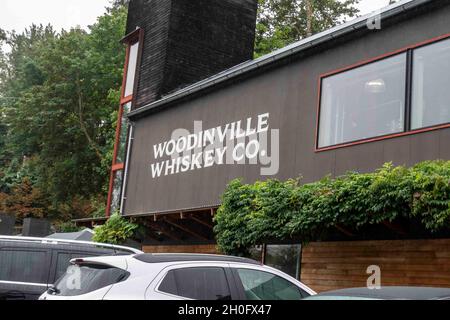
431, 80
123, 134
363, 103
285, 258
117, 190
260, 285
131, 73
63, 261
197, 283
80, 280
23, 266
169, 285
255, 253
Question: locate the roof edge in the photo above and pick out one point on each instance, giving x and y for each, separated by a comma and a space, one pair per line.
307, 43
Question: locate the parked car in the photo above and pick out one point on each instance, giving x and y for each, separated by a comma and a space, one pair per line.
386, 293
29, 266
174, 277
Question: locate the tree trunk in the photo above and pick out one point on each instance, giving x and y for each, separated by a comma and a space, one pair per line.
309, 17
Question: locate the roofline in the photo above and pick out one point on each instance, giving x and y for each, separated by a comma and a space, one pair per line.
295, 48
154, 213
90, 219
62, 241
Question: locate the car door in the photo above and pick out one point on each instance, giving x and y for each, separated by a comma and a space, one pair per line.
24, 269
194, 281
264, 284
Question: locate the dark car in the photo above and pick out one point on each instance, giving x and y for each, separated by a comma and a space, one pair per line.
29, 266
386, 293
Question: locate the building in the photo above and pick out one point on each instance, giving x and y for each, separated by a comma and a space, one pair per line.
352, 98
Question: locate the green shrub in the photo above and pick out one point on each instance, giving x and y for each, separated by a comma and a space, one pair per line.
68, 227
275, 210
115, 231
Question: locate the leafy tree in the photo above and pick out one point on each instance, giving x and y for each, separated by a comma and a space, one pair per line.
58, 107
25, 201
281, 22
119, 3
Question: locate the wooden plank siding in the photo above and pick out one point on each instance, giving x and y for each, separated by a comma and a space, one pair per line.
336, 265
202, 249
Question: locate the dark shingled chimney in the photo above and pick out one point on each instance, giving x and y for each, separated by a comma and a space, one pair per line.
186, 41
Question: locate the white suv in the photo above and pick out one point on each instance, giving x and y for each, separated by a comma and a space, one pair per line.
174, 277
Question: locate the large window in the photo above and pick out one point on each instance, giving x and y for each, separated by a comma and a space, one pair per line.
286, 258
123, 135
431, 84
117, 191
122, 145
363, 103
402, 94
131, 69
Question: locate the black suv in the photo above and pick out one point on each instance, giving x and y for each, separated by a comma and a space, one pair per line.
29, 266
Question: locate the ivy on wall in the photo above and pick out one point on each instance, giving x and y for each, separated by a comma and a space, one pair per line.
276, 210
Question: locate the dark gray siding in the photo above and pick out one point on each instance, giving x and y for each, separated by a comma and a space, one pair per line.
289, 93
187, 41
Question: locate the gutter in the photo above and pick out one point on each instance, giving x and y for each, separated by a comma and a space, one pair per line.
290, 50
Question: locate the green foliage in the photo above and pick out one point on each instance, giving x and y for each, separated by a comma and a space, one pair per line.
281, 22
68, 227
99, 208
115, 231
58, 107
275, 210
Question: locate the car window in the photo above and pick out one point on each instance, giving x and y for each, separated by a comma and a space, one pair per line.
259, 285
79, 280
63, 261
23, 266
197, 284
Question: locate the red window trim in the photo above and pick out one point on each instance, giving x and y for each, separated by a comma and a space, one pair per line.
115, 166
118, 167
363, 63
118, 131
134, 37
126, 100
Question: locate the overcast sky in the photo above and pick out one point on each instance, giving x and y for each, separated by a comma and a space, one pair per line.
18, 14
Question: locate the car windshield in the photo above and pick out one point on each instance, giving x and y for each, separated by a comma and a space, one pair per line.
83, 279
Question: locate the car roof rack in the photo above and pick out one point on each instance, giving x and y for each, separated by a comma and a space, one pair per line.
163, 258
73, 242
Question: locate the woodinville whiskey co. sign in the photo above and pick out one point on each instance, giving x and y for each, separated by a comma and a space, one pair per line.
244, 142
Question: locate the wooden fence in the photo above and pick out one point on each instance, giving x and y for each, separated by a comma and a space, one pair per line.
334, 265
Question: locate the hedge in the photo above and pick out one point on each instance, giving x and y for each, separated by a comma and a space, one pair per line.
276, 210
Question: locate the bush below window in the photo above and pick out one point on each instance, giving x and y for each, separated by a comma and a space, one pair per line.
275, 210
